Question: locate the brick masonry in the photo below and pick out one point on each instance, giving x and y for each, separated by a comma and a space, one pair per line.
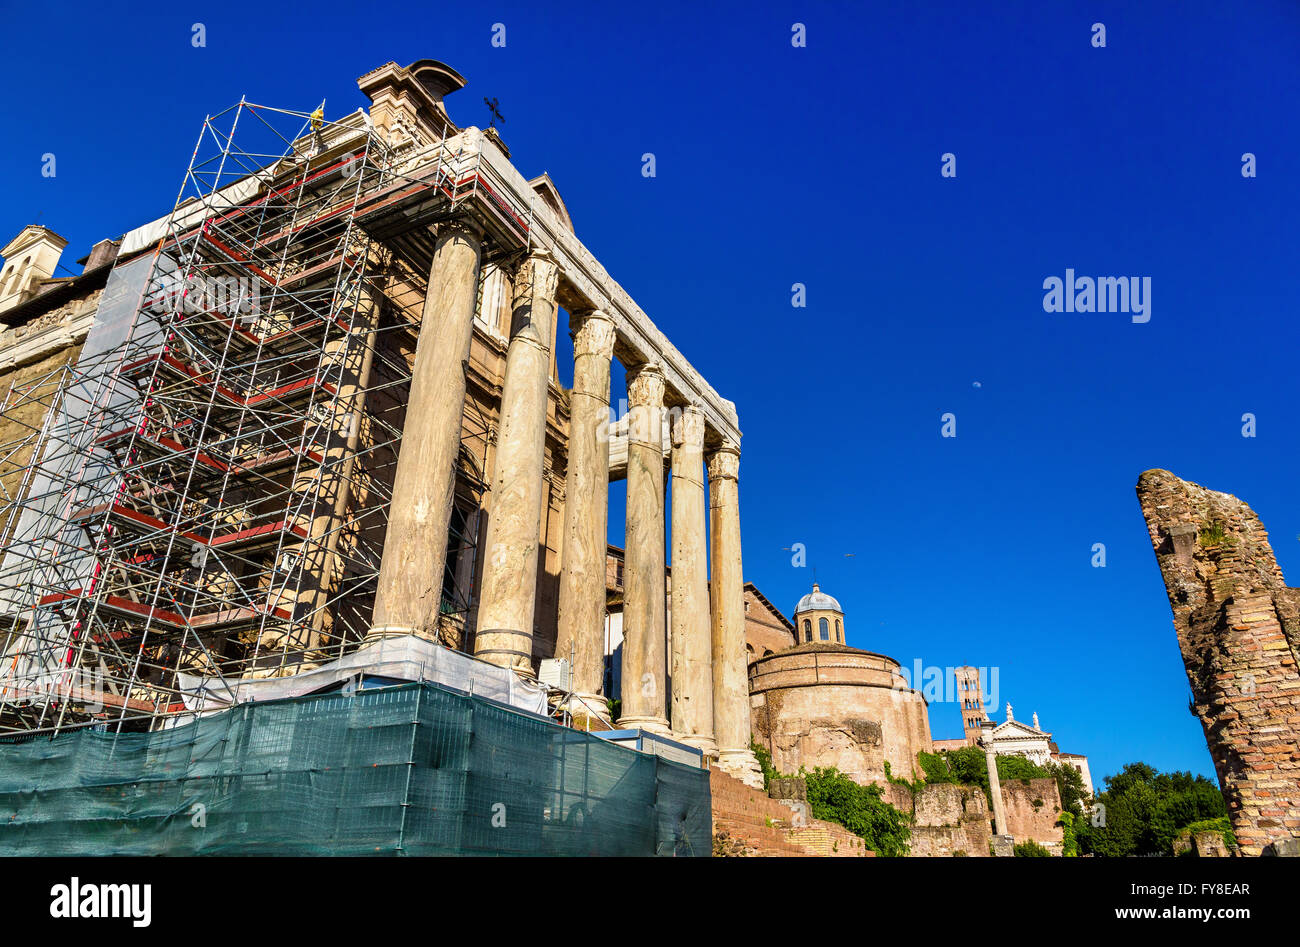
747, 822
1238, 627
947, 819
1032, 807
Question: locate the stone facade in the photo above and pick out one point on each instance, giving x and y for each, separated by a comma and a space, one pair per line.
1238, 627
469, 289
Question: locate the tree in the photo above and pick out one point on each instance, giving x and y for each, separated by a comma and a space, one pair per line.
1144, 809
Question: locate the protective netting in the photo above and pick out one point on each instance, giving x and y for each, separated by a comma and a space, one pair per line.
413, 769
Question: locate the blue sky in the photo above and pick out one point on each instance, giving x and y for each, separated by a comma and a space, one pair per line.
821, 165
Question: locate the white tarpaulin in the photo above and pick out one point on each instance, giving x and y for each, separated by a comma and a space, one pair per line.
405, 658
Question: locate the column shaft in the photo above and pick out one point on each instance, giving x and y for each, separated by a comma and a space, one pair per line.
408, 598
692, 655
727, 592
586, 513
504, 630
645, 659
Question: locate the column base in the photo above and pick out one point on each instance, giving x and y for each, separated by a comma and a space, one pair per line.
706, 745
380, 632
588, 705
656, 725
742, 765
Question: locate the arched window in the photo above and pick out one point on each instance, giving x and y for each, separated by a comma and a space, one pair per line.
807, 630
824, 628
839, 631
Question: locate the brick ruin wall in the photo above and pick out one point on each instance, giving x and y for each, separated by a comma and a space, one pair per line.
1238, 627
1032, 808
947, 819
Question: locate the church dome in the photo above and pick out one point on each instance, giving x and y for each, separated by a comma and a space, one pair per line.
816, 601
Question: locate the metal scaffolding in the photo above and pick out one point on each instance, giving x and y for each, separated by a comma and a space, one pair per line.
205, 491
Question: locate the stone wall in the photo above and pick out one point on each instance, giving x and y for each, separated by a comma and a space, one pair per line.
948, 819
1238, 627
830, 705
1032, 808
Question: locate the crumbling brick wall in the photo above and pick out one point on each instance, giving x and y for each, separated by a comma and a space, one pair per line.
947, 819
1032, 808
1238, 628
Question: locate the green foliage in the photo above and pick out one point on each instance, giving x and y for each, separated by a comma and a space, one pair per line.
1031, 849
1213, 534
964, 766
1145, 809
1220, 825
1069, 783
1069, 838
764, 763
914, 784
969, 767
860, 809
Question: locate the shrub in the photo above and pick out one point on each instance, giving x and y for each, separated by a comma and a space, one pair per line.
1031, 849
835, 797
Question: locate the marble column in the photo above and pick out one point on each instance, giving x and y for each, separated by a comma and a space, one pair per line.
586, 514
645, 658
508, 592
408, 597
995, 785
692, 655
727, 592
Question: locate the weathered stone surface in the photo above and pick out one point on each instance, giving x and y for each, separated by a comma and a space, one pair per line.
408, 597
948, 820
727, 596
504, 632
692, 653
645, 633
1032, 808
1238, 627
793, 788
824, 704
586, 508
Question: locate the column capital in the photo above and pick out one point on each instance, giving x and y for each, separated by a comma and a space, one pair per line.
594, 333
688, 427
537, 276
465, 227
724, 463
645, 386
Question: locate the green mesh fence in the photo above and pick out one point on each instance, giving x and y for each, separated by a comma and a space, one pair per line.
413, 769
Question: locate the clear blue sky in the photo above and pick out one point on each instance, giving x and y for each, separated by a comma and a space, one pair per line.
821, 165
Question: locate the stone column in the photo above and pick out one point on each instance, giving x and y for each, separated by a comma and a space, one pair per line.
586, 514
727, 592
408, 597
645, 659
692, 654
995, 785
507, 597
